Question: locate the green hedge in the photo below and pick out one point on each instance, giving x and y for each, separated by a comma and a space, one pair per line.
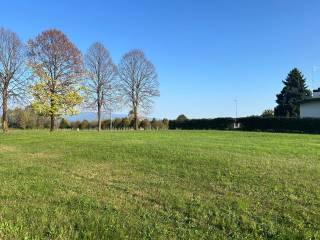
216, 123
304, 125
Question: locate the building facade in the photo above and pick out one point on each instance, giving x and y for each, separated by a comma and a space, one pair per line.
310, 107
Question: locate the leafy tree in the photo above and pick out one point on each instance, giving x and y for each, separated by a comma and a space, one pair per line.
105, 124
93, 125
64, 124
293, 92
165, 123
267, 113
26, 118
182, 118
56, 65
17, 118
117, 123
23, 120
125, 123
159, 124
84, 124
76, 124
145, 124
156, 124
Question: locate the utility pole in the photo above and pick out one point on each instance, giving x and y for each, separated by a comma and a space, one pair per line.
110, 119
235, 125
236, 102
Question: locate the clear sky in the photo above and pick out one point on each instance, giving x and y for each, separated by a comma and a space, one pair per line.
207, 53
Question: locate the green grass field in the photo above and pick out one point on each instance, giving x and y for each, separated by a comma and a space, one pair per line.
159, 185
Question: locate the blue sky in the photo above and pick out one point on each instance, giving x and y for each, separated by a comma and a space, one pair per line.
207, 53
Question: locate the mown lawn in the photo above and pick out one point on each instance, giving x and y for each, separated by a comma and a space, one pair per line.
159, 185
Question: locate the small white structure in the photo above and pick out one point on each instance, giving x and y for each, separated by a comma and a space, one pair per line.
310, 107
236, 125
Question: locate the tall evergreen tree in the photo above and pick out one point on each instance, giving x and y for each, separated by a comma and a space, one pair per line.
293, 92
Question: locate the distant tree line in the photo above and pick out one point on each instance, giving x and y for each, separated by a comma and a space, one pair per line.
52, 75
118, 123
27, 118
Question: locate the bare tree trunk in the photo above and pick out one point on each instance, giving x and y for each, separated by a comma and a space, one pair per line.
99, 117
52, 123
52, 116
4, 114
136, 120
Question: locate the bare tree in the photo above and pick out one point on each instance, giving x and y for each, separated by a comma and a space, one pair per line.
12, 69
102, 79
139, 82
57, 67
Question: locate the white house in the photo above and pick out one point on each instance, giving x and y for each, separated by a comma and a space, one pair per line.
310, 107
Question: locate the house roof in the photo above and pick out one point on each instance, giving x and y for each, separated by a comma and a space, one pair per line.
316, 90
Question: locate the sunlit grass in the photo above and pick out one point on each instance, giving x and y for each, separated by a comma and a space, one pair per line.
159, 185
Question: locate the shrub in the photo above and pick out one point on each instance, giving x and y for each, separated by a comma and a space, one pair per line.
117, 123
84, 125
165, 123
105, 124
64, 124
125, 123
145, 124
93, 124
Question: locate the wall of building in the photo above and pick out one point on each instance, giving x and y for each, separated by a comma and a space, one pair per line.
310, 109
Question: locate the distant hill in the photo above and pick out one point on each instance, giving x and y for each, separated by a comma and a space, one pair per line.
91, 116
